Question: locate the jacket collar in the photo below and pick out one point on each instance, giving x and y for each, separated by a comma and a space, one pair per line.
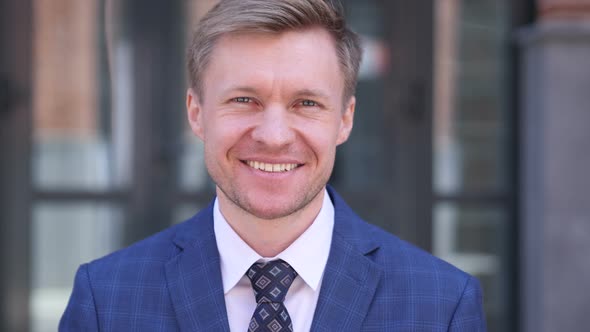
194, 276
351, 277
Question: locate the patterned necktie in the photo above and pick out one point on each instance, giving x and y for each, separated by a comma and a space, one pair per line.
271, 281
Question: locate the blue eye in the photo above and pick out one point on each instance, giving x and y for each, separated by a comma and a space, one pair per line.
310, 103
242, 99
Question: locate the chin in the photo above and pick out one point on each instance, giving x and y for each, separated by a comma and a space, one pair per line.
269, 204
263, 210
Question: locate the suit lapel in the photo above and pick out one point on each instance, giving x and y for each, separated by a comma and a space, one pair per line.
350, 277
194, 277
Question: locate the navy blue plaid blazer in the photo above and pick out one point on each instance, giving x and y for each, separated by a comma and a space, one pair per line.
373, 282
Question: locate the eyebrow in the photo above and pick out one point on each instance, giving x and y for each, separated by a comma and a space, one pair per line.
240, 88
300, 93
311, 93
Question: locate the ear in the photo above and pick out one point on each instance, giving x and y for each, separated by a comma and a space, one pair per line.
346, 121
194, 113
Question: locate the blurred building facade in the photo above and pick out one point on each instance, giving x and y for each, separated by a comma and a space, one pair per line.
470, 140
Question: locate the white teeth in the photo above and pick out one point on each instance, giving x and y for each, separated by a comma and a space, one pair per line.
271, 167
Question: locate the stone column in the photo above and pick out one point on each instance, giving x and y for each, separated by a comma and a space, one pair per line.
555, 172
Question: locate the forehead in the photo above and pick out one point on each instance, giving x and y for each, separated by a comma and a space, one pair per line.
306, 58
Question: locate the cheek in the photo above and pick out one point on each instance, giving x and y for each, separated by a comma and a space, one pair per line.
322, 140
222, 134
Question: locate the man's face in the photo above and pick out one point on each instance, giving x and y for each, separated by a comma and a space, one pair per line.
270, 116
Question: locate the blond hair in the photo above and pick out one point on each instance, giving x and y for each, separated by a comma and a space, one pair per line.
274, 16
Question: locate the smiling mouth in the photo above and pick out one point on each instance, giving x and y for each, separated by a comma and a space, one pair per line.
271, 168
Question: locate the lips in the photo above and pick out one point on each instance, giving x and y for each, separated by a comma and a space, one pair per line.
270, 167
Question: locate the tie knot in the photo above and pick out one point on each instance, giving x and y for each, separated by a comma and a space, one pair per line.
271, 280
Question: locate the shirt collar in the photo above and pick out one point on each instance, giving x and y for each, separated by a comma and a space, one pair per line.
307, 255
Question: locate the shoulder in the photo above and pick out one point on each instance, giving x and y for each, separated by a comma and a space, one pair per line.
424, 288
395, 257
121, 289
399, 258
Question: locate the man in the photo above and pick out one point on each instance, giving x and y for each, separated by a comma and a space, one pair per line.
271, 97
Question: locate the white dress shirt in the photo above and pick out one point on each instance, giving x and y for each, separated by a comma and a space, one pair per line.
307, 255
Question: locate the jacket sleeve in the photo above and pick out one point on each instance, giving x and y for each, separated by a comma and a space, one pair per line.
80, 314
469, 314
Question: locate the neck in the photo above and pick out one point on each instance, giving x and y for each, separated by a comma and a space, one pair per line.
269, 237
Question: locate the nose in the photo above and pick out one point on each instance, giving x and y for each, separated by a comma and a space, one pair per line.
274, 128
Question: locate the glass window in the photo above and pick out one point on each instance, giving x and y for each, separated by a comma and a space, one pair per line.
74, 146
193, 175
366, 146
64, 235
472, 221
82, 149
471, 122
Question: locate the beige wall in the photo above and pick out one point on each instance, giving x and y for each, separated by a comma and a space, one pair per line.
65, 67
563, 9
